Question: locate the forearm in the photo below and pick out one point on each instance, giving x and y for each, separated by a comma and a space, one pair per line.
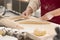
56, 12
29, 9
34, 4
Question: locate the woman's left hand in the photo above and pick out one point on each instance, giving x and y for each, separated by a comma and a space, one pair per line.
51, 14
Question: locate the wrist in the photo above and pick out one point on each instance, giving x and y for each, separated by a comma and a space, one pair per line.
29, 9
49, 16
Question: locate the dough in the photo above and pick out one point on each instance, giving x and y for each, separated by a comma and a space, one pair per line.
33, 22
39, 33
1, 32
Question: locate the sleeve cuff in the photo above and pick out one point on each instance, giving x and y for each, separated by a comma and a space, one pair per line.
33, 5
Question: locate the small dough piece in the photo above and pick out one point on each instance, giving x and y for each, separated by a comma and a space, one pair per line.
1, 32
39, 33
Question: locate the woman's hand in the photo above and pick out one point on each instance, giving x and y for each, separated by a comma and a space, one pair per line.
51, 14
27, 12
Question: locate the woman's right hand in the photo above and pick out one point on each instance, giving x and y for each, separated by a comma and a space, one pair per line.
27, 12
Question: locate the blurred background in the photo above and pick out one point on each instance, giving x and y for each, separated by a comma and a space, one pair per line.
17, 5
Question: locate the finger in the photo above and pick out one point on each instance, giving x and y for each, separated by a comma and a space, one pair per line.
24, 15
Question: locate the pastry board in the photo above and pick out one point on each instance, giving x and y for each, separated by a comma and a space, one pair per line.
29, 25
